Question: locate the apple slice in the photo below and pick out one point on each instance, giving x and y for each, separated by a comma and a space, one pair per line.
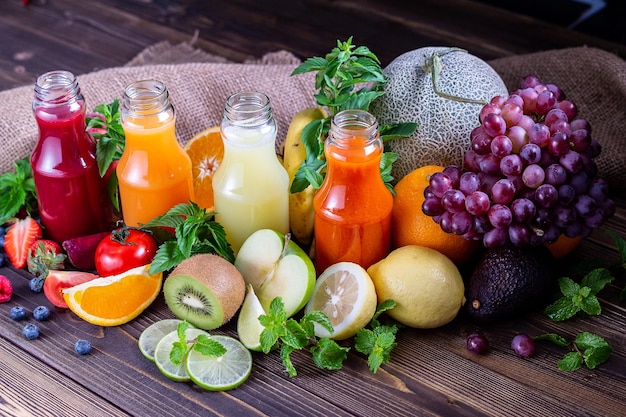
249, 328
276, 266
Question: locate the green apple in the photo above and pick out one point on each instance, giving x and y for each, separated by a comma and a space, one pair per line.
276, 266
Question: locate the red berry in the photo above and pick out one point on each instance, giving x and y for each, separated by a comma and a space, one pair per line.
6, 289
20, 236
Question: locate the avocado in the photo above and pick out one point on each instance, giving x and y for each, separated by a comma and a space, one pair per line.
510, 280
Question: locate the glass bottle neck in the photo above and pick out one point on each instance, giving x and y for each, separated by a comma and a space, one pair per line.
248, 121
57, 88
353, 137
146, 103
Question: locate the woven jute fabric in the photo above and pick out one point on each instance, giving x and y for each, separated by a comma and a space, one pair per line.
199, 84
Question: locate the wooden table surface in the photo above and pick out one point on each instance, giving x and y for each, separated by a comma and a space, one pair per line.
431, 373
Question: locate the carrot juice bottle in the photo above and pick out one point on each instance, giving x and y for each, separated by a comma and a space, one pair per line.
353, 205
154, 172
72, 197
251, 187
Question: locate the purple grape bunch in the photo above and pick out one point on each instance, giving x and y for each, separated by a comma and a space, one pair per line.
528, 177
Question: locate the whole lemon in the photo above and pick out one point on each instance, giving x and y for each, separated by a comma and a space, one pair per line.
425, 284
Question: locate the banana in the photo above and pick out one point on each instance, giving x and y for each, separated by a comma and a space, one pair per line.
300, 204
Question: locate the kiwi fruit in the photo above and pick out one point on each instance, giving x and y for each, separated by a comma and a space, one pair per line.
206, 290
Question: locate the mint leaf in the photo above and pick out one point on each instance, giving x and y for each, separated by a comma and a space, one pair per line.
179, 348
591, 305
378, 340
554, 338
572, 361
597, 279
568, 287
327, 354
295, 336
208, 346
285, 356
562, 309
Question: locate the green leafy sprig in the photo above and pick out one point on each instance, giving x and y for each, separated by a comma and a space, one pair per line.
589, 349
348, 77
195, 232
289, 335
203, 344
17, 190
379, 339
581, 297
105, 126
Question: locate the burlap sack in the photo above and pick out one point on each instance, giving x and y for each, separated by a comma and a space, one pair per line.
594, 79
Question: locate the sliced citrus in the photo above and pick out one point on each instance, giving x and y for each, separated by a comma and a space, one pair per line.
220, 373
152, 335
206, 151
114, 300
249, 328
175, 372
346, 294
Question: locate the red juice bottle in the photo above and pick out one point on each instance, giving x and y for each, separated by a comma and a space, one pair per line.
72, 197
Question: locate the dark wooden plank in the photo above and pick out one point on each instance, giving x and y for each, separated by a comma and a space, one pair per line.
84, 36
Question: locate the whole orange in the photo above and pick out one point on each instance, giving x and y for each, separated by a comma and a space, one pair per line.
564, 245
410, 226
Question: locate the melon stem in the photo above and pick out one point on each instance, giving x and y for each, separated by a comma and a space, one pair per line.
434, 65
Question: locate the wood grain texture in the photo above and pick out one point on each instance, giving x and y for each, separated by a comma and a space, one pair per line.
84, 36
431, 373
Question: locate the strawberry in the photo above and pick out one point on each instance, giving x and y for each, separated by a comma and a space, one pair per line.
19, 238
43, 255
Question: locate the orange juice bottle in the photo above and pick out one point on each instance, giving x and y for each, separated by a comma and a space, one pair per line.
154, 171
353, 205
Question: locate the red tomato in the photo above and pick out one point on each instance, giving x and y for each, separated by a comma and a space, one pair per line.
57, 281
124, 249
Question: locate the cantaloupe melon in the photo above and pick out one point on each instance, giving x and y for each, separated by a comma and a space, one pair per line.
444, 124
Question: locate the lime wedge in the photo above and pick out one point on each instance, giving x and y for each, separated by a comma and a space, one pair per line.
220, 373
162, 354
248, 326
152, 334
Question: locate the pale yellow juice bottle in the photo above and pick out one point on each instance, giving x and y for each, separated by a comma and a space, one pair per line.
250, 187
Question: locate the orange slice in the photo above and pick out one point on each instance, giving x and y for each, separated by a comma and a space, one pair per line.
116, 299
206, 151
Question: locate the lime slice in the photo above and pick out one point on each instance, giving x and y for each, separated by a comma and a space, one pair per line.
152, 334
162, 354
248, 326
220, 373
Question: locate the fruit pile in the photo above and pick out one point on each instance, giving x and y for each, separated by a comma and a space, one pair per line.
529, 176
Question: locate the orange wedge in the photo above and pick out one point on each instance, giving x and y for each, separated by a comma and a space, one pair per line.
116, 299
206, 151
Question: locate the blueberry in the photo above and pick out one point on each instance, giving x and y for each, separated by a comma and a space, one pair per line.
31, 331
41, 313
82, 347
36, 284
17, 313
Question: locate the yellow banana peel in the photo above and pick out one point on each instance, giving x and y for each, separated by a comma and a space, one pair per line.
300, 204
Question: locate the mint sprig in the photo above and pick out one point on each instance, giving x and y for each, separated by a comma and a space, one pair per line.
289, 335
347, 78
581, 297
378, 340
17, 190
589, 349
195, 232
203, 344
105, 127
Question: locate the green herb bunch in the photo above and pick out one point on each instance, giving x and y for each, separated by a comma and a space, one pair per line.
195, 232
17, 191
202, 344
289, 335
347, 78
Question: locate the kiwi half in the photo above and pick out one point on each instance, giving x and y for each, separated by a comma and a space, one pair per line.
206, 290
